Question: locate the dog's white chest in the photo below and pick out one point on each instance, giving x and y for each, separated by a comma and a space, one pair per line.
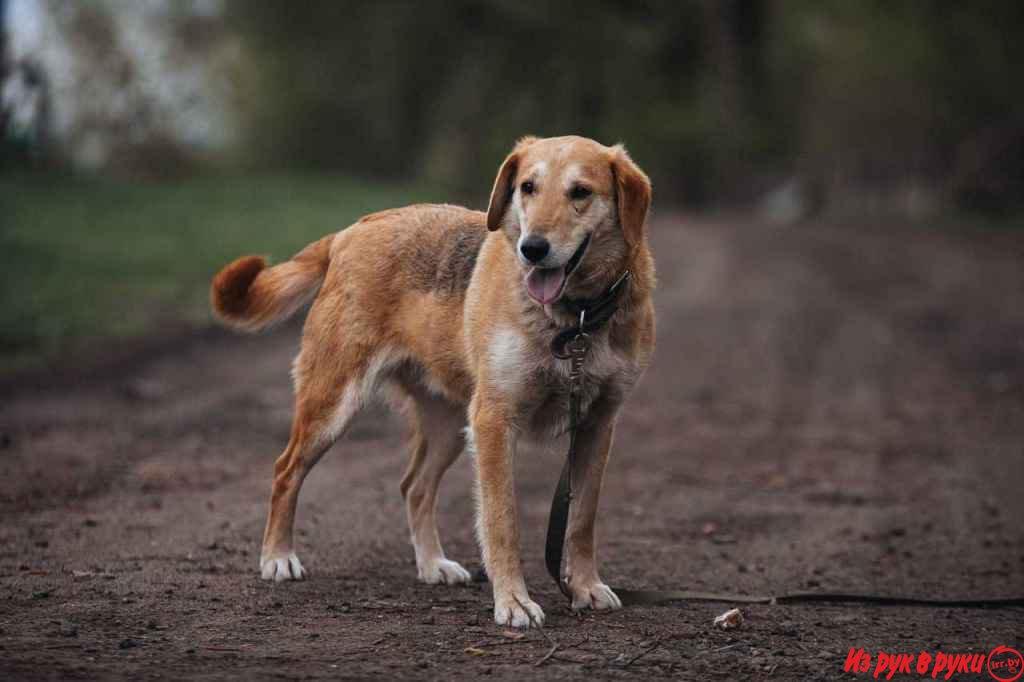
538, 382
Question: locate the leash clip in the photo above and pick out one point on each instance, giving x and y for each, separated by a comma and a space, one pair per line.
577, 345
577, 349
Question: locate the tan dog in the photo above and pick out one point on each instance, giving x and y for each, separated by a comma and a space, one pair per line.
452, 311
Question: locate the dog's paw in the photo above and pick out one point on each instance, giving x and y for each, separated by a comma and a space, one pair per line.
522, 613
444, 572
281, 567
596, 595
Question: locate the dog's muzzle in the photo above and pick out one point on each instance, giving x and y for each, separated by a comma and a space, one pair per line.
545, 285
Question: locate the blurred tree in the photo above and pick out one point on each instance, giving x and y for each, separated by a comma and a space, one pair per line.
886, 94
142, 88
907, 105
401, 88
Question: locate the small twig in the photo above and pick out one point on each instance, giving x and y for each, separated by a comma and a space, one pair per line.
502, 642
727, 647
533, 621
540, 628
549, 654
641, 654
583, 640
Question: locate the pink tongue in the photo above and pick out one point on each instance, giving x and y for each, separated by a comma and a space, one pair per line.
544, 284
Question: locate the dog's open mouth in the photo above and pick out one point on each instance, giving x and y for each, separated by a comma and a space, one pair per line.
545, 285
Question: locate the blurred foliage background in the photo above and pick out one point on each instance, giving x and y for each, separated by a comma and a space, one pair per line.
719, 99
146, 143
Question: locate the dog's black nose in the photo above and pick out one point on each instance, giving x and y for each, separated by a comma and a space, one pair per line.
534, 248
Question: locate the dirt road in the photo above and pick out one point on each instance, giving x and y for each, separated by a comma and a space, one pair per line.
830, 407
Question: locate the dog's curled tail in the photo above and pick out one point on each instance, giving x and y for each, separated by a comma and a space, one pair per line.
249, 296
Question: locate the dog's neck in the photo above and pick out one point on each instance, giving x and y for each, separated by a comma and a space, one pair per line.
591, 314
613, 291
591, 306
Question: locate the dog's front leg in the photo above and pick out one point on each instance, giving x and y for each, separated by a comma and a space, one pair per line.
497, 524
594, 442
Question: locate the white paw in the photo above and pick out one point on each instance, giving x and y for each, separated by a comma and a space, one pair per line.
444, 572
596, 595
523, 613
282, 567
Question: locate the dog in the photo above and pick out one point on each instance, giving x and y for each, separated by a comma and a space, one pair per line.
449, 313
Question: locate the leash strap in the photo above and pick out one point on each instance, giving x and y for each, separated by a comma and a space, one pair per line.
558, 523
558, 519
658, 597
573, 344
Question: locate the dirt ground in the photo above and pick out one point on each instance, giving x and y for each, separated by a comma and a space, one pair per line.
833, 407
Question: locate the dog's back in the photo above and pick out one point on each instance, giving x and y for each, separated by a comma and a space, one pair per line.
425, 248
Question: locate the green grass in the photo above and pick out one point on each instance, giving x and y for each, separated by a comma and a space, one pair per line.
88, 261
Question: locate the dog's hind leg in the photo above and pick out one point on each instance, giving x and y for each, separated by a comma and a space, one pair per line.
437, 442
310, 439
331, 387
278, 560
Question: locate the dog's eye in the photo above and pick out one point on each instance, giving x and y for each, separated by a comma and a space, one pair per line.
527, 187
579, 192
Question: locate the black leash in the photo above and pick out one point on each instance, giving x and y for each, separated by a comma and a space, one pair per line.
573, 344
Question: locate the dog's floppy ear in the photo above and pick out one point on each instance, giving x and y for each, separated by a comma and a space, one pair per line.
632, 195
503, 187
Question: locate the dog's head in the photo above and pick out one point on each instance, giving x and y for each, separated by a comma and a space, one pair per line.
573, 210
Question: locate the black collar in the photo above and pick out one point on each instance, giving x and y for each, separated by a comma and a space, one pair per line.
592, 313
